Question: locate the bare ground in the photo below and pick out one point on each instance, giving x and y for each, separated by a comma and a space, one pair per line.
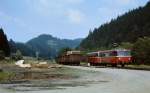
84, 80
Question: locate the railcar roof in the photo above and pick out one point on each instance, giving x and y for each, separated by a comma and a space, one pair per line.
108, 51
114, 50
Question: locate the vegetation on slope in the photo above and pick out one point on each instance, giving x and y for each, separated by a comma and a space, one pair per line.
126, 28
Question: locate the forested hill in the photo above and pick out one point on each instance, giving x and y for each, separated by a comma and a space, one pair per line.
126, 28
46, 45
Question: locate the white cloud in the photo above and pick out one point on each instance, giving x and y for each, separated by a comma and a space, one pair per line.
74, 1
124, 2
75, 16
44, 2
52, 7
5, 18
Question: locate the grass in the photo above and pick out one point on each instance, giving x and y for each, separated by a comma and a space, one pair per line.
139, 66
5, 76
7, 61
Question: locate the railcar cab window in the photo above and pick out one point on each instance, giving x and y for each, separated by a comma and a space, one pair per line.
124, 53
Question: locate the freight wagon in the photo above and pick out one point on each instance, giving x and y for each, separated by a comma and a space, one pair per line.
70, 58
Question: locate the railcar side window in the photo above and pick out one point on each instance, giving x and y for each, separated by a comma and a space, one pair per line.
124, 53
96, 54
93, 55
107, 54
102, 55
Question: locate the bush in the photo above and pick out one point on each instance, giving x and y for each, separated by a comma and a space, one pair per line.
141, 51
126, 45
63, 50
17, 56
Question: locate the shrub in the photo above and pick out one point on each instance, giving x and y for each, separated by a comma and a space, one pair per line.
141, 51
17, 56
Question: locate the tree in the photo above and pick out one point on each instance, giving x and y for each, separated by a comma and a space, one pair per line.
126, 28
64, 50
2, 55
17, 55
4, 45
126, 45
12, 45
141, 51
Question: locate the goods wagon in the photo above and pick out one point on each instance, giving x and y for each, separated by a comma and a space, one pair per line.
70, 58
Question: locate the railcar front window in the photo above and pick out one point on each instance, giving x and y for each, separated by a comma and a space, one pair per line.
124, 53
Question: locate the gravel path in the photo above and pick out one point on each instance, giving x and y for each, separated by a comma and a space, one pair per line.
118, 81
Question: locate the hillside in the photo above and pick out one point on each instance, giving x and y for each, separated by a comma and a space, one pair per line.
126, 28
47, 46
24, 48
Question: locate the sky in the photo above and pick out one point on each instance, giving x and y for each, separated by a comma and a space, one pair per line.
23, 20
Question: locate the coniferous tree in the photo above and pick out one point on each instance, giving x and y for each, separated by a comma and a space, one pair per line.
13, 47
126, 28
4, 45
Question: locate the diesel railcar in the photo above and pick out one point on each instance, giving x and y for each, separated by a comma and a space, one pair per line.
110, 57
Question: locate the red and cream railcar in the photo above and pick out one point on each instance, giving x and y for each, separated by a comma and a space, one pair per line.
112, 57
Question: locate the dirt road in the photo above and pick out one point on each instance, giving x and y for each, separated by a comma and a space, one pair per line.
112, 81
